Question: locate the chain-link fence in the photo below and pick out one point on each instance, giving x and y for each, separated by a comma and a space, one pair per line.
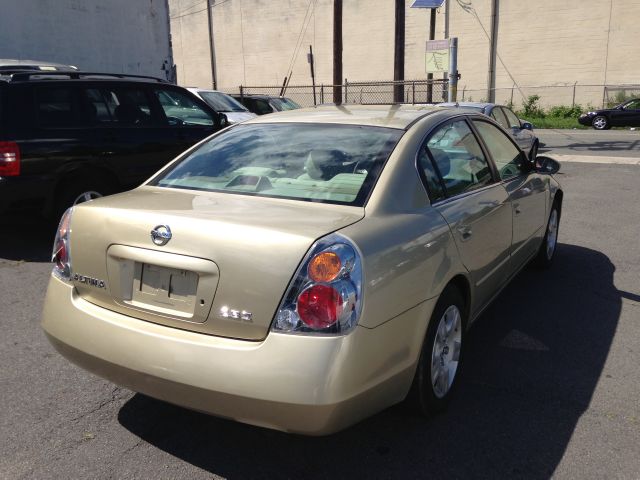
365, 93
435, 91
597, 96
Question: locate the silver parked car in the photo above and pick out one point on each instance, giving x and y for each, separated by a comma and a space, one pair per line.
520, 130
304, 270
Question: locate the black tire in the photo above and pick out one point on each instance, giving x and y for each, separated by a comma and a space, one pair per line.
600, 122
423, 398
534, 152
71, 191
545, 255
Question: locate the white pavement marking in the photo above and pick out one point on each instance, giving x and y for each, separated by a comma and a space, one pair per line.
596, 159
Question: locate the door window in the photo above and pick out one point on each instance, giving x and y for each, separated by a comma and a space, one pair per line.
509, 160
456, 158
499, 117
512, 120
182, 110
128, 107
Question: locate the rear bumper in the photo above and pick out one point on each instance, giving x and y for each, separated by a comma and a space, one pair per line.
294, 383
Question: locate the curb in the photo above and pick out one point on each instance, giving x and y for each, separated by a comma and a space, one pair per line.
595, 159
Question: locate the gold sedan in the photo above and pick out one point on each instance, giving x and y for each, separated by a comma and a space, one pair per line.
304, 270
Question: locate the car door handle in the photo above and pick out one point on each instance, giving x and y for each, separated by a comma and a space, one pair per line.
465, 232
516, 208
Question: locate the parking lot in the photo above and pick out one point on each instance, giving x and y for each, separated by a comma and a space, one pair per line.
550, 386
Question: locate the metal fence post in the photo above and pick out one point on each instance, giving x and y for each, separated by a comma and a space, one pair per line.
573, 100
346, 86
241, 93
321, 93
413, 92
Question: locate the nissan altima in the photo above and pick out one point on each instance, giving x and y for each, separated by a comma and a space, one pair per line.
304, 270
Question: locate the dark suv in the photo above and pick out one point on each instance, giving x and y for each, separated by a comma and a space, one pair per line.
68, 137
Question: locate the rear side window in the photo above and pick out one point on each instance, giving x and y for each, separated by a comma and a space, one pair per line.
55, 107
127, 107
457, 159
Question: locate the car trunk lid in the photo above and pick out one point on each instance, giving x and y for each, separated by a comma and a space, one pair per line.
224, 269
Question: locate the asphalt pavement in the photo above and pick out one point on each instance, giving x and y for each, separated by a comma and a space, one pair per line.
550, 385
607, 143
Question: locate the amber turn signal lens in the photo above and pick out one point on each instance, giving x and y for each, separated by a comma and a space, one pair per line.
324, 267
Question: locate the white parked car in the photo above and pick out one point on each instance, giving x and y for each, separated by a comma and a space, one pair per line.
223, 103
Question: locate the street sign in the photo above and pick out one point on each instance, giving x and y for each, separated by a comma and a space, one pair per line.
437, 56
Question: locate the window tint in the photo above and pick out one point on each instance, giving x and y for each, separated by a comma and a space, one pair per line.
499, 117
55, 107
262, 107
458, 158
181, 110
93, 107
128, 107
507, 157
511, 118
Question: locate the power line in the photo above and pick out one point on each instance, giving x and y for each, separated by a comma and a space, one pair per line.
303, 30
198, 11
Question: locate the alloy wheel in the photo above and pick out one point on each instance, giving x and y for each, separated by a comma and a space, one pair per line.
445, 355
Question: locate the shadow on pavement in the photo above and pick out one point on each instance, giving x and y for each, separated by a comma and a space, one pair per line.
533, 362
26, 237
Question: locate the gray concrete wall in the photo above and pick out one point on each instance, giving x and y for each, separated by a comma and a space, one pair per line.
116, 36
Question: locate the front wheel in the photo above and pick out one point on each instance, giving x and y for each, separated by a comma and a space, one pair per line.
441, 356
549, 242
600, 123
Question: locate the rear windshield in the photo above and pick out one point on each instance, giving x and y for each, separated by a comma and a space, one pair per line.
311, 162
282, 104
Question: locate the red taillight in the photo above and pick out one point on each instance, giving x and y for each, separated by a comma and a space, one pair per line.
9, 159
320, 306
61, 256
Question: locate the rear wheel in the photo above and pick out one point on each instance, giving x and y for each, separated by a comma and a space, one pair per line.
441, 357
600, 123
79, 190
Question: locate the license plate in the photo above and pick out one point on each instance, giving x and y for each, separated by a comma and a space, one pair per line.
162, 288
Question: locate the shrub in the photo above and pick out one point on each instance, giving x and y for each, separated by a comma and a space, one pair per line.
564, 111
531, 108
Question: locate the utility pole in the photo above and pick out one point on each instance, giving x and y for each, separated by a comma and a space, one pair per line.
398, 58
493, 45
432, 36
313, 75
337, 52
212, 48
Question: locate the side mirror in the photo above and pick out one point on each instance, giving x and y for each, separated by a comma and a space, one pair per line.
547, 165
223, 120
526, 125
